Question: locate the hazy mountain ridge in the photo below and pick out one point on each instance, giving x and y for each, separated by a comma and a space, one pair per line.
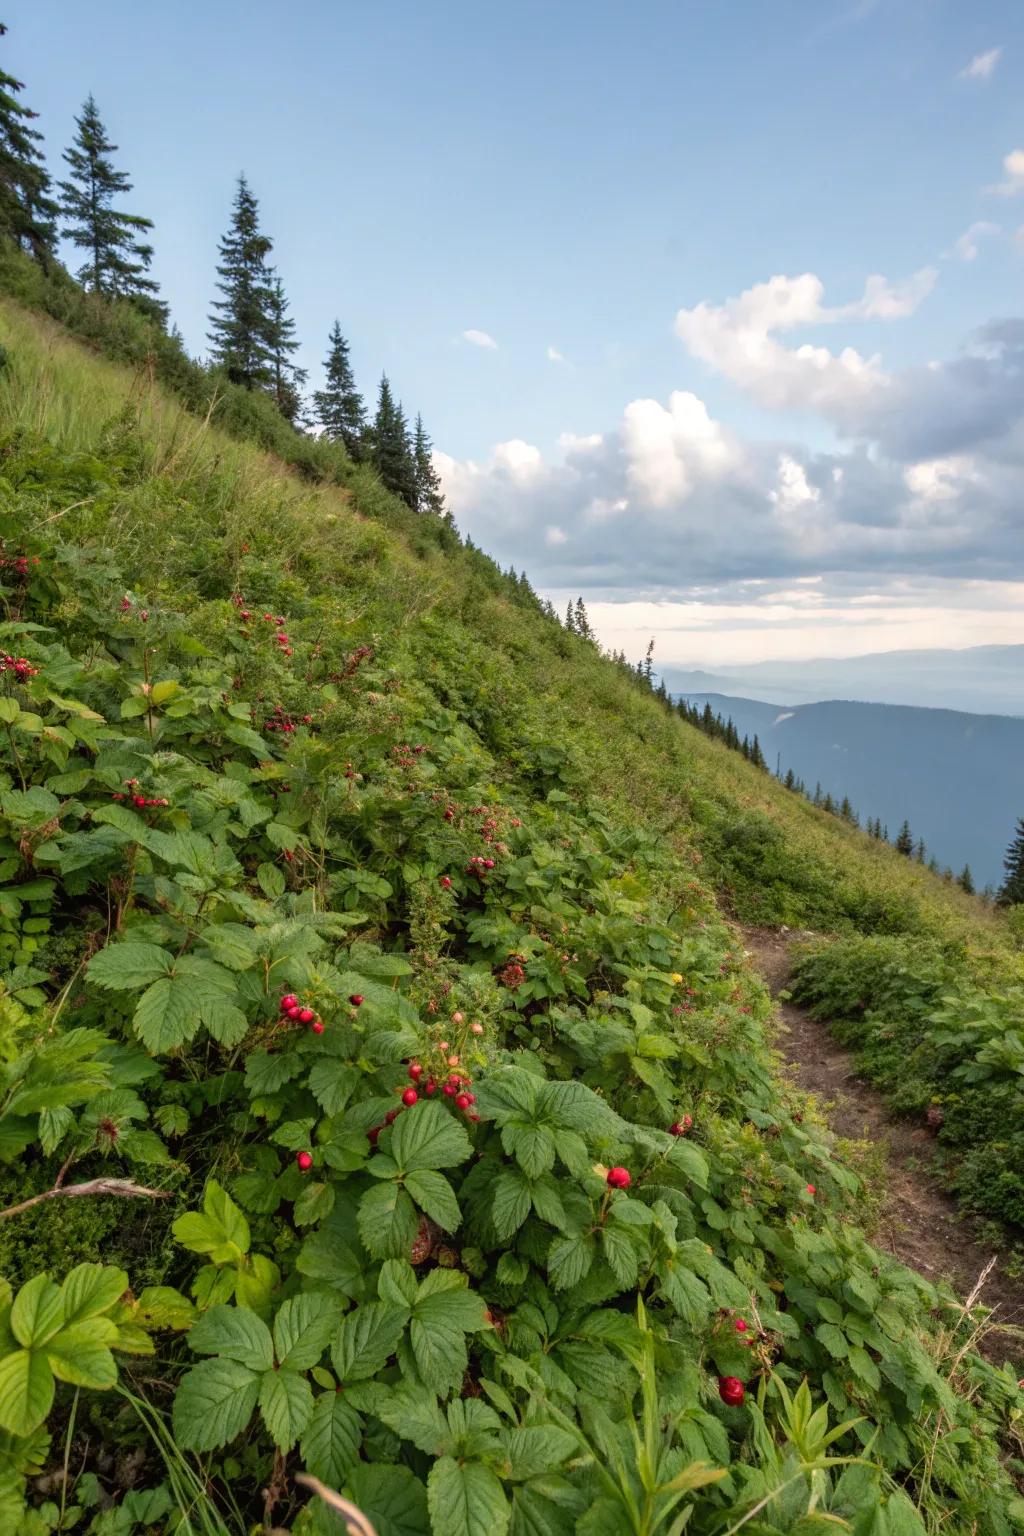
955, 775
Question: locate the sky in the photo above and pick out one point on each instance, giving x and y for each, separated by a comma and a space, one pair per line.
714, 312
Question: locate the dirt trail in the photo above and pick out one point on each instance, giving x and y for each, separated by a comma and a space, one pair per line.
920, 1224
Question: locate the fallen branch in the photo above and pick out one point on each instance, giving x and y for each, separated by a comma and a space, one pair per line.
356, 1522
123, 1187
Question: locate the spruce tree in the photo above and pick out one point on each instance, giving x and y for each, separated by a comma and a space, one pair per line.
27, 212
965, 880
428, 482
242, 330
287, 379
1011, 892
570, 618
920, 852
392, 449
116, 259
338, 407
790, 780
756, 754
905, 841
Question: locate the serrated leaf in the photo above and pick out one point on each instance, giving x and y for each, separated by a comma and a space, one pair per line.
510, 1202
303, 1328
234, 1333
426, 1136
26, 1391
286, 1403
168, 1013
332, 1083
272, 882
532, 1146
466, 1500
214, 1403
81, 1354
536, 1449
220, 1231
834, 1340
331, 1439
387, 1222
392, 1498
129, 966
569, 1260
415, 1414
434, 1195
690, 1160
366, 1339
90, 1289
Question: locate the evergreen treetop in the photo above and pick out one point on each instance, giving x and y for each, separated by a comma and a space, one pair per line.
392, 448
428, 481
287, 378
1011, 892
338, 407
242, 325
905, 841
27, 212
116, 260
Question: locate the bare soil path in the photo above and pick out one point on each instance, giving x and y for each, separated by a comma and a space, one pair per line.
920, 1223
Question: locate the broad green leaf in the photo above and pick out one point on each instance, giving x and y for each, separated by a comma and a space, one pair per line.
332, 1083
331, 1439
232, 944
221, 1231
387, 1221
466, 1500
303, 1328
690, 1160
392, 1498
433, 1194
224, 1021
366, 1339
536, 1449
26, 1391
81, 1354
426, 1136
214, 1403
91, 1289
446, 1292
569, 1260
415, 1414
234, 1333
834, 1340
286, 1403
38, 1312
129, 966
510, 1202
532, 1146
272, 882
168, 1013
397, 1283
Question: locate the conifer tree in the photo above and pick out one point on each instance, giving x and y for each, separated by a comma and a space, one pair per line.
570, 618
116, 259
428, 482
920, 852
392, 449
905, 841
287, 379
965, 880
338, 407
790, 780
649, 660
242, 330
1011, 892
756, 754
27, 212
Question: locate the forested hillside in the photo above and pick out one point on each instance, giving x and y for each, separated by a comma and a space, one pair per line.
365, 982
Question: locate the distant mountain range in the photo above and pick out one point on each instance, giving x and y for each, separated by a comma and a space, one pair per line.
984, 679
957, 777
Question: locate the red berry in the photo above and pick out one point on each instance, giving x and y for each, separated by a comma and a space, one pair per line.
138, 799
741, 1326
295, 1013
430, 1088
619, 1178
731, 1390
304, 1160
317, 1026
446, 882
391, 1116
415, 1071
680, 1127
306, 1015
449, 1089
372, 1134
356, 999
409, 1097
811, 1189
463, 1100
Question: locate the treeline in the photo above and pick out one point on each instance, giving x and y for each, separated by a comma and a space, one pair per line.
252, 333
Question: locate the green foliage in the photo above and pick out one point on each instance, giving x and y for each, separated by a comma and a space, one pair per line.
254, 756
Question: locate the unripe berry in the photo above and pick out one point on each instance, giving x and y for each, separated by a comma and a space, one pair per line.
453, 1061
477, 1029
619, 1178
410, 1096
304, 1160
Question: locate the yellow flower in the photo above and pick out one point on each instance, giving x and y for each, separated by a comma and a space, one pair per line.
677, 979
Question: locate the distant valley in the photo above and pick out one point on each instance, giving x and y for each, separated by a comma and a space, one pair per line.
957, 777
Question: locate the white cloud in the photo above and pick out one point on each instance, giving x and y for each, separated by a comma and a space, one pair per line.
938, 479
554, 356
480, 339
570, 443
967, 245
793, 490
667, 451
982, 66
1013, 165
555, 536
520, 460
738, 339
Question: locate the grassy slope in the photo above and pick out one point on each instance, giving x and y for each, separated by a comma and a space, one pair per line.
196, 515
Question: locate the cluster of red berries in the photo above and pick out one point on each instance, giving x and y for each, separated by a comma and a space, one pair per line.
19, 564
19, 666
277, 620
126, 607
681, 1126
353, 662
618, 1178
513, 974
282, 721
142, 800
479, 866
292, 1009
405, 756
731, 1390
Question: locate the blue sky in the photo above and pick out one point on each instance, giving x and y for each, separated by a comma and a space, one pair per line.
573, 176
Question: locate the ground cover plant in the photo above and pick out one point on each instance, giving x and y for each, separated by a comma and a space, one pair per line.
450, 1161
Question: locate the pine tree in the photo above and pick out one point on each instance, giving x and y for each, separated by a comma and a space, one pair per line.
790, 780
117, 260
649, 661
920, 852
905, 841
27, 212
241, 331
570, 618
392, 449
1011, 892
756, 754
287, 380
429, 497
965, 880
338, 407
